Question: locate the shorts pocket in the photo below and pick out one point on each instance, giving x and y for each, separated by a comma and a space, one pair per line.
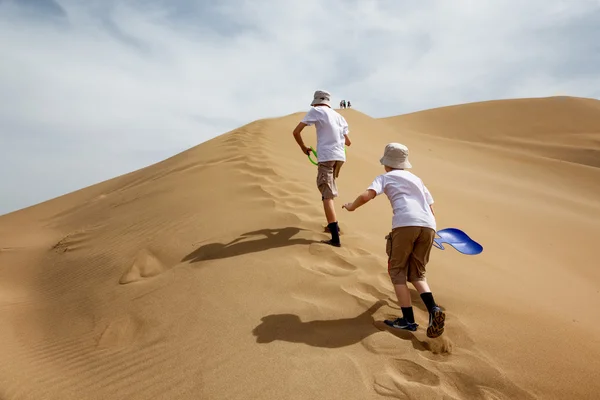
388, 245
322, 178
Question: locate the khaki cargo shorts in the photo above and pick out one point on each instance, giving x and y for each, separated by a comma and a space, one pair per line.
408, 250
327, 172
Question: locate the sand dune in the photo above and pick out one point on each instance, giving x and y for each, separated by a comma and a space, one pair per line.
561, 128
202, 277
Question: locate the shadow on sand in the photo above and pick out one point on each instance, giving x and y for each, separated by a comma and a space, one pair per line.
320, 333
273, 238
327, 333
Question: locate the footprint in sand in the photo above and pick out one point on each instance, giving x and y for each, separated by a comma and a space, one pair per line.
465, 374
145, 265
465, 377
119, 333
407, 379
357, 251
72, 241
329, 263
364, 291
413, 372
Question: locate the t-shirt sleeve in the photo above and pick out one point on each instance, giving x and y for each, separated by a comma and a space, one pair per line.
344, 126
428, 196
311, 117
377, 185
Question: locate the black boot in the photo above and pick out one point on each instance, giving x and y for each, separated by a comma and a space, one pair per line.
335, 235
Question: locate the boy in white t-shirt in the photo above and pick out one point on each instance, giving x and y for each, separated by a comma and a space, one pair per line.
332, 136
409, 243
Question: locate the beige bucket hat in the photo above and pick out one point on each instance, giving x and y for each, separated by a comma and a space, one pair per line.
395, 155
321, 97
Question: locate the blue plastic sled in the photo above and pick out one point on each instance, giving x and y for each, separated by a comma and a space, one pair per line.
457, 239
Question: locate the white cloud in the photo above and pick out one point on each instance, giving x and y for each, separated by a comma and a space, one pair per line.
94, 89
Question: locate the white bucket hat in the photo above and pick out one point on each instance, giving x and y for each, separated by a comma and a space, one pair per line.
321, 97
395, 156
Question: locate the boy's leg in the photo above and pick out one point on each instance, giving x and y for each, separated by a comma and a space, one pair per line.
426, 294
421, 286
403, 295
399, 250
327, 187
329, 207
417, 263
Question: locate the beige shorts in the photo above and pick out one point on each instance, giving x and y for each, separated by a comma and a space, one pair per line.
327, 172
408, 250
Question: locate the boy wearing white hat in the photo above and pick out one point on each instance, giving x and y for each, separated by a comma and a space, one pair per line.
409, 243
332, 135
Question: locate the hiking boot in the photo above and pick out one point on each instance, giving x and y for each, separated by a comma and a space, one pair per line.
331, 243
326, 230
436, 322
401, 323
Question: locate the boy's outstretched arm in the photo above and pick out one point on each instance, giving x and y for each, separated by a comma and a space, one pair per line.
298, 137
362, 199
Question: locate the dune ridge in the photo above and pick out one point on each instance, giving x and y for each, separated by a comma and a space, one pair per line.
202, 276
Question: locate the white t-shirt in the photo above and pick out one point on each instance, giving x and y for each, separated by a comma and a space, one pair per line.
408, 196
331, 130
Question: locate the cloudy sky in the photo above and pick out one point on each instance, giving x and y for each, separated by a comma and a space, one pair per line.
93, 89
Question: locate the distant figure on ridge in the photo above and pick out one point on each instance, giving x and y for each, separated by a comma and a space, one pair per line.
409, 243
349, 105
332, 135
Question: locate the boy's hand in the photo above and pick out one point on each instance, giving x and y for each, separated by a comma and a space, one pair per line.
306, 150
362, 199
348, 206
